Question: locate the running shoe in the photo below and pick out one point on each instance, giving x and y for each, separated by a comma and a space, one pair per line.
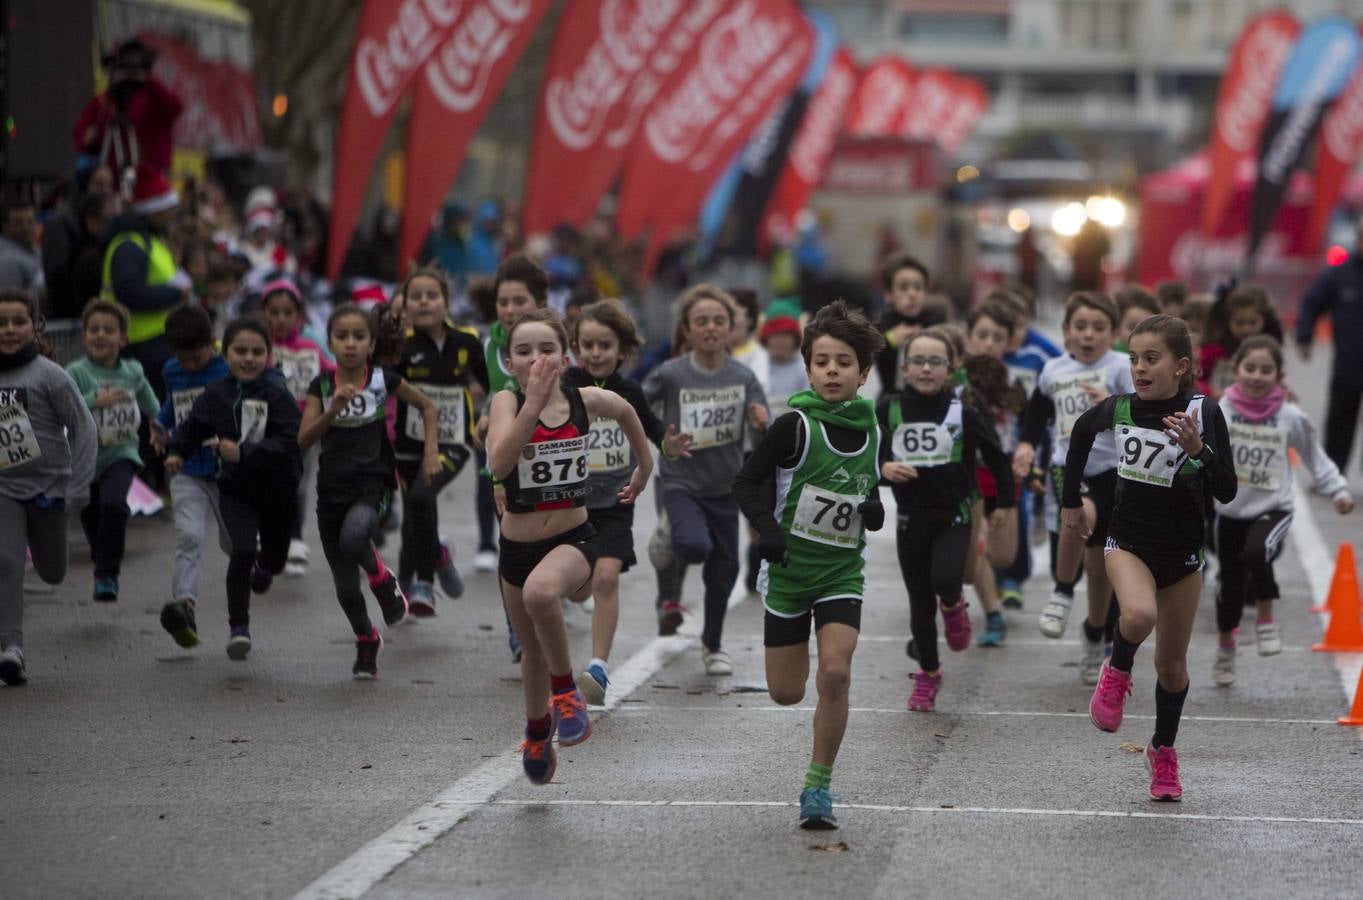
816, 809
669, 618
106, 590
1109, 698
995, 630
570, 718
12, 671
956, 624
538, 758
593, 683
924, 696
451, 582
1056, 615
177, 618
391, 599
660, 552
297, 564
1267, 640
421, 599
513, 644
261, 579
716, 662
239, 644
1223, 670
1091, 663
485, 561
1010, 595
1163, 767
367, 655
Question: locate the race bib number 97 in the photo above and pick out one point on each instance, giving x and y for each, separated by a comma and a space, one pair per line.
826, 517
449, 408
922, 444
1147, 455
714, 416
18, 442
1260, 454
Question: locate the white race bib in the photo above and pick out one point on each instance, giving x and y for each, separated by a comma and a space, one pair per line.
922, 444
607, 447
552, 471
449, 408
1071, 400
1147, 455
18, 442
714, 416
1025, 377
1260, 454
182, 402
255, 415
300, 367
118, 423
827, 517
365, 407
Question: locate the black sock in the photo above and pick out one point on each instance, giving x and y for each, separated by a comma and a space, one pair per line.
1168, 710
1123, 652
1114, 612
1091, 634
1065, 587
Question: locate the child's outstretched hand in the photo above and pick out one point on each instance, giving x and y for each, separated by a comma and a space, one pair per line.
229, 451
1182, 428
158, 436
758, 416
344, 394
898, 472
173, 464
1023, 457
1097, 393
771, 546
540, 384
997, 518
638, 480
677, 444
1075, 520
1344, 505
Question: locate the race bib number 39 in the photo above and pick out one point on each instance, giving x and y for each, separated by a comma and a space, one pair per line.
827, 517
1147, 455
449, 407
18, 442
922, 444
1260, 454
607, 448
553, 471
1072, 400
714, 416
118, 423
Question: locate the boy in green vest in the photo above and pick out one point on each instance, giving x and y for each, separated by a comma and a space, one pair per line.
822, 458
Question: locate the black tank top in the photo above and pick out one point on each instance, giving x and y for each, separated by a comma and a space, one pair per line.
552, 470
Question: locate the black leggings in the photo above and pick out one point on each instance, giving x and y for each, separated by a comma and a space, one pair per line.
245, 520
347, 532
932, 545
420, 521
105, 520
1246, 549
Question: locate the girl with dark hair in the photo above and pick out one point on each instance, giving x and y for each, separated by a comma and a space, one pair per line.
1244, 312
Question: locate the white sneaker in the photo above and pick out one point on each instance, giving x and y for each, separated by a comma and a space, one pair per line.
588, 606
299, 552
716, 663
485, 561
1056, 615
1267, 640
660, 544
295, 570
1223, 670
12, 671
1091, 663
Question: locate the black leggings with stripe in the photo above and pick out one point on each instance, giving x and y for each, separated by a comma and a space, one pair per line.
1246, 549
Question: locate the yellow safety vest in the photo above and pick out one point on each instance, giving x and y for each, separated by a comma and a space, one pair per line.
160, 270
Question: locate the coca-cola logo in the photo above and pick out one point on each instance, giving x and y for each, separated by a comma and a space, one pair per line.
1195, 255
875, 175
1343, 128
881, 100
1255, 76
824, 117
383, 67
459, 73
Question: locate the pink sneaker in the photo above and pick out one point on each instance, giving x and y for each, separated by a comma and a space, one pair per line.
957, 625
1109, 698
924, 696
1163, 767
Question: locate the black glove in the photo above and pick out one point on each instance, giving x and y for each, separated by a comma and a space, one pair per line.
771, 545
872, 514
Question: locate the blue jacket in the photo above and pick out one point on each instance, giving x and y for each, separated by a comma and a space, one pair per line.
1338, 291
203, 463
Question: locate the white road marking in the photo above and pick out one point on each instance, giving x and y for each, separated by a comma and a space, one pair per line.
1023, 714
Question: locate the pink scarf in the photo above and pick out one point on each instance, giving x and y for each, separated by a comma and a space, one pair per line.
1266, 407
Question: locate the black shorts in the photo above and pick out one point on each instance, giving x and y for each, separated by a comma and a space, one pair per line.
1167, 568
519, 558
1101, 489
780, 631
615, 532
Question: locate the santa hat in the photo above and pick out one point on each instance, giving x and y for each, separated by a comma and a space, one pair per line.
779, 325
261, 218
152, 193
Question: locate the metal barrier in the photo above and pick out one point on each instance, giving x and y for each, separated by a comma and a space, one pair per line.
63, 336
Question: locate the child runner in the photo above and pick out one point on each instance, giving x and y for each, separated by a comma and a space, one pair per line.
1069, 385
1244, 312
929, 442
119, 395
787, 374
824, 459
194, 489
1134, 304
716, 401
1172, 446
1172, 296
602, 339
253, 420
548, 547
47, 458
1250, 529
904, 281
301, 356
747, 350
355, 474
446, 364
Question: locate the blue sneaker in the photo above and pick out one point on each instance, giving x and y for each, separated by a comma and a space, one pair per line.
106, 590
994, 631
816, 809
570, 718
451, 582
1010, 594
592, 683
538, 758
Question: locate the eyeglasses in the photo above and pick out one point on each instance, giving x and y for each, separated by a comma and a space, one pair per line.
933, 362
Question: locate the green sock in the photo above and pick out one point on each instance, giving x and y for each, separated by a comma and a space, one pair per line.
818, 776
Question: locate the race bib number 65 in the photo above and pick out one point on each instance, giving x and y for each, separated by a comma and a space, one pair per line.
922, 444
449, 408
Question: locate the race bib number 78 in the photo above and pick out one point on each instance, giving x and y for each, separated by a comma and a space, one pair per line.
826, 517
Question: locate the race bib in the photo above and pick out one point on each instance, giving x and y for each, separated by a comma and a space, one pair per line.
255, 415
714, 416
182, 402
922, 444
1260, 454
449, 408
607, 447
1071, 400
553, 471
300, 367
1023, 376
363, 408
18, 442
118, 423
826, 517
1147, 455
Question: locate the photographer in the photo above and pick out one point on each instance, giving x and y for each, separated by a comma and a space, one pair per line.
130, 122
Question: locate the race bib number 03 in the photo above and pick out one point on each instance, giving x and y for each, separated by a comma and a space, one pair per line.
182, 402
714, 416
1071, 400
450, 409
18, 442
607, 448
1260, 454
118, 423
1147, 455
826, 517
255, 415
553, 471
922, 444
300, 367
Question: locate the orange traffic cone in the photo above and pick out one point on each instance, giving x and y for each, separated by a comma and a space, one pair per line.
1355, 716
1345, 632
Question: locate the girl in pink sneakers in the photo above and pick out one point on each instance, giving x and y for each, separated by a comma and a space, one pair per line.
1172, 446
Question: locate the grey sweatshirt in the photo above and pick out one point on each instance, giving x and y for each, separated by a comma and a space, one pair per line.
47, 435
1262, 465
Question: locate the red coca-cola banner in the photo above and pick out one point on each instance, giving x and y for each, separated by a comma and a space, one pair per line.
220, 114
1338, 146
746, 62
1242, 106
885, 92
394, 40
609, 59
451, 98
812, 147
970, 102
929, 106
887, 165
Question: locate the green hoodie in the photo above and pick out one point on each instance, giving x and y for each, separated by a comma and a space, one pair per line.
858, 413
118, 424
